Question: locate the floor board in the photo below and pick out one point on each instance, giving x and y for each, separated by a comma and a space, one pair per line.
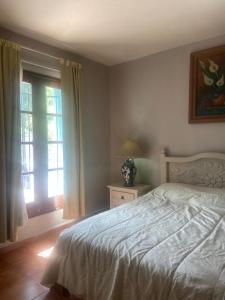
21, 271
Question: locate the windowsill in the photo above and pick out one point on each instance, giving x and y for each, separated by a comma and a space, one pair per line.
38, 208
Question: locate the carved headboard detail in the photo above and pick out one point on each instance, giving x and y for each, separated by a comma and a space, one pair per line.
204, 169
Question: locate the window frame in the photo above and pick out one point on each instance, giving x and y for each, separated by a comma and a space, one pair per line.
42, 204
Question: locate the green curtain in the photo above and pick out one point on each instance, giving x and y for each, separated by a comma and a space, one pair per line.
74, 198
12, 206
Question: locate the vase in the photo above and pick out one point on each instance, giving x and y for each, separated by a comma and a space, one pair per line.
129, 171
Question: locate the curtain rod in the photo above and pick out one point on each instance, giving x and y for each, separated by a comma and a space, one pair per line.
40, 52
60, 59
41, 66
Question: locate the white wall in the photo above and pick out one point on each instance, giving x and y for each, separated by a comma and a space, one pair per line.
149, 101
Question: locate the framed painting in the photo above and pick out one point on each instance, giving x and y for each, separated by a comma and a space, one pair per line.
207, 86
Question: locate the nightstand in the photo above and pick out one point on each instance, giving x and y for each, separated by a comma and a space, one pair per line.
120, 194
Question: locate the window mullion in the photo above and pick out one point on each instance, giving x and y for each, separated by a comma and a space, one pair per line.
40, 141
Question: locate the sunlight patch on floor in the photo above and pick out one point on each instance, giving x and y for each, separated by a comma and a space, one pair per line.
46, 253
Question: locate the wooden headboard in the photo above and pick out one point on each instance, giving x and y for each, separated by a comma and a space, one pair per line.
204, 169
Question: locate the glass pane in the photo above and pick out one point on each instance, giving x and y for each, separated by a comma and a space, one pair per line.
27, 158
52, 130
49, 91
26, 127
26, 87
52, 156
58, 101
59, 129
28, 187
55, 183
52, 183
51, 105
26, 97
54, 102
60, 182
60, 155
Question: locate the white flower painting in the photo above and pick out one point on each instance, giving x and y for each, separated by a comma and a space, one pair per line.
207, 92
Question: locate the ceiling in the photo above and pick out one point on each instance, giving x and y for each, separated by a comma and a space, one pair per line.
115, 31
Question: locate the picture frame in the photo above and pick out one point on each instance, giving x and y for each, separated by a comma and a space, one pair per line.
207, 86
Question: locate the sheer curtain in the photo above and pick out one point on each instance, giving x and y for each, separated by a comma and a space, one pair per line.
71, 83
12, 206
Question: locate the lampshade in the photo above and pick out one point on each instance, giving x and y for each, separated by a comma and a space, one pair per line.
131, 148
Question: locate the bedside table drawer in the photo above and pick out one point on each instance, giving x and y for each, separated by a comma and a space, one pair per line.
121, 196
117, 202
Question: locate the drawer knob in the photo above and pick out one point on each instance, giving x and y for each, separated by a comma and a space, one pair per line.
122, 197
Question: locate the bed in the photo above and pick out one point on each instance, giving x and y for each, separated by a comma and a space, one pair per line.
167, 245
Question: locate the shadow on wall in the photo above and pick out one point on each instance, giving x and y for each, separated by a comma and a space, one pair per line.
147, 171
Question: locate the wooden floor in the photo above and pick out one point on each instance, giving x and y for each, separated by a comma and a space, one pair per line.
21, 271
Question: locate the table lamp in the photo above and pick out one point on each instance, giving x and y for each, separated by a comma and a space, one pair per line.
130, 149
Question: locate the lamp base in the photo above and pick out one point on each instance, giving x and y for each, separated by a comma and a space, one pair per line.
129, 171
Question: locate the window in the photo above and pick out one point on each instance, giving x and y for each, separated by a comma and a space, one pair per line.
41, 143
55, 141
27, 142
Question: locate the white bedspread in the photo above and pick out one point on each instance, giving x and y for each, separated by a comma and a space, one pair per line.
166, 245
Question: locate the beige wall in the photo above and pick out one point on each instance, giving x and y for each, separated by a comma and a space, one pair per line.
96, 125
149, 100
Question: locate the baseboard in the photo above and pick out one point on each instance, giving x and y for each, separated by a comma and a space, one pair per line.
12, 246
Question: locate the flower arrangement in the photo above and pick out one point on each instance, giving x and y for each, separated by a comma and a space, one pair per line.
129, 171
213, 77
